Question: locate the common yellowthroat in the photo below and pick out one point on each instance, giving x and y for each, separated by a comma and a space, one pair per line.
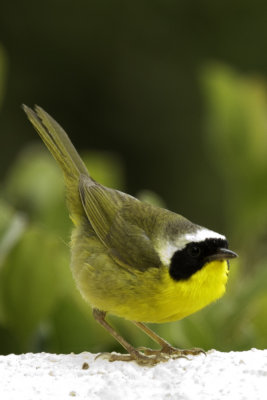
132, 259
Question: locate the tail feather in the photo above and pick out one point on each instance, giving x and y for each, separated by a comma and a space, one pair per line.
60, 146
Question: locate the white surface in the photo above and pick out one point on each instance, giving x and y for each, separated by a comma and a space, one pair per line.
218, 375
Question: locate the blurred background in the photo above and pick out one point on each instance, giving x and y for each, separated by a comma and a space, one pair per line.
166, 100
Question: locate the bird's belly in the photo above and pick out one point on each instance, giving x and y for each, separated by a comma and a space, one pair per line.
147, 296
164, 300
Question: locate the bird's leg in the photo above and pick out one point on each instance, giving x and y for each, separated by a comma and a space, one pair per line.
166, 348
134, 355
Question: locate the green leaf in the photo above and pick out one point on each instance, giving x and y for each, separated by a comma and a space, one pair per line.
33, 278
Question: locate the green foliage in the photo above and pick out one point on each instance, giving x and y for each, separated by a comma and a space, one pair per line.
236, 128
32, 282
34, 186
235, 138
40, 308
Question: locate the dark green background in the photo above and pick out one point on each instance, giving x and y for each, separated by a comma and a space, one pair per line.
124, 76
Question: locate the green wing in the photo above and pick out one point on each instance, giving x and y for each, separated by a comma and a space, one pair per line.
122, 223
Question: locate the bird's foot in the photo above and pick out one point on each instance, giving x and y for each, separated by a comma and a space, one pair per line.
172, 352
148, 360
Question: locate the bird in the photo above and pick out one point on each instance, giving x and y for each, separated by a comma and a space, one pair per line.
133, 259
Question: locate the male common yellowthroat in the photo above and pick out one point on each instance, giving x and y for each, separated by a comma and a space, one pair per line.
132, 259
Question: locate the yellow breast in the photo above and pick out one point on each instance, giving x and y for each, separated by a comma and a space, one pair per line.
182, 298
165, 300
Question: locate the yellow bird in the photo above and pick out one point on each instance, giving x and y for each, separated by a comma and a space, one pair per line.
131, 259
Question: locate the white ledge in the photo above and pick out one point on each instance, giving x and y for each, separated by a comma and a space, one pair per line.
234, 375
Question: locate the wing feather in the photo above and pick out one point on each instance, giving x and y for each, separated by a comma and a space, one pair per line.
122, 224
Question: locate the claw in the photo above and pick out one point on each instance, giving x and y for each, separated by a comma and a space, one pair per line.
149, 357
194, 352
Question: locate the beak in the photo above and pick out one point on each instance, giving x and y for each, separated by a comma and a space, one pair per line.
222, 254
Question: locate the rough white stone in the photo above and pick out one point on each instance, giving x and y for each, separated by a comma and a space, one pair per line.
234, 375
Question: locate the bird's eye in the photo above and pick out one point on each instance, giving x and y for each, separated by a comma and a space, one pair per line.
194, 251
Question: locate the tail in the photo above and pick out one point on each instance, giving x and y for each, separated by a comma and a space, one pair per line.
60, 146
